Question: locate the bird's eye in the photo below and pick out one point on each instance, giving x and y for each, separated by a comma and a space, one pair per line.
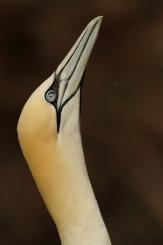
50, 96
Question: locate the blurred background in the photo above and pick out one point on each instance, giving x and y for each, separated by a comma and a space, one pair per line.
122, 113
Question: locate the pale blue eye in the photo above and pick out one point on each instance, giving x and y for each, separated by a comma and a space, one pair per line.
50, 96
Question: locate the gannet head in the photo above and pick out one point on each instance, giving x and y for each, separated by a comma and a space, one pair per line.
50, 108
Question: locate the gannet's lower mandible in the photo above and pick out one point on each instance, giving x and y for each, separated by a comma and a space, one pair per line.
49, 135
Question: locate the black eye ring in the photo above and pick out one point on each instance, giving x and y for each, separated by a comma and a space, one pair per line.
50, 96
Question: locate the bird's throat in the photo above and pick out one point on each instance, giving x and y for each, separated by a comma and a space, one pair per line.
65, 187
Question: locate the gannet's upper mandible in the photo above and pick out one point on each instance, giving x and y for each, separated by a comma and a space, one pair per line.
68, 75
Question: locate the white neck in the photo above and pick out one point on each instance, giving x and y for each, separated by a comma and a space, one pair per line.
85, 224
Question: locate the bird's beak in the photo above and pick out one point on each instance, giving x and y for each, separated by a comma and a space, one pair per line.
70, 72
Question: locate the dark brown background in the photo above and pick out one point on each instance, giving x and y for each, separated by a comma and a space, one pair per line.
122, 113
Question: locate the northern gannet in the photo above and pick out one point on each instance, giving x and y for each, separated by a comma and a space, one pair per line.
49, 135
